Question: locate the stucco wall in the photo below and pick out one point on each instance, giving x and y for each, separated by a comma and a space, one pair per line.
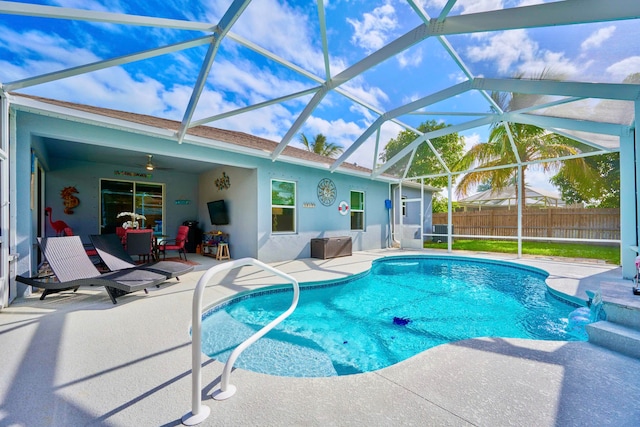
319, 221
241, 201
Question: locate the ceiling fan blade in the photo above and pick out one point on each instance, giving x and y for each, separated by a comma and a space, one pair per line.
151, 165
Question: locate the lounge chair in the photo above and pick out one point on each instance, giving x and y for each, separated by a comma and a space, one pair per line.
115, 257
72, 267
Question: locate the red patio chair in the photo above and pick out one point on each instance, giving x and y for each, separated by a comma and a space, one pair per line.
176, 244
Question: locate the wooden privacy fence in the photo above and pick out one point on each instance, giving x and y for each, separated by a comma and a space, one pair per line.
567, 223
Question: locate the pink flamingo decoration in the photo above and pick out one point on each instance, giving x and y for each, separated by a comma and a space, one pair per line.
58, 226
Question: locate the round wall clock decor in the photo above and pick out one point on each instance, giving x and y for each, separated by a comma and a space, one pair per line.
326, 192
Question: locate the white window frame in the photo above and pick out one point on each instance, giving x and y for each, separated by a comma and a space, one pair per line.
353, 211
280, 206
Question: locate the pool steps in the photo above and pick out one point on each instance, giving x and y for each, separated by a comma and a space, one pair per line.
620, 332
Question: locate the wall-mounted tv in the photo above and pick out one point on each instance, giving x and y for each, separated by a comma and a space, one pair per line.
218, 212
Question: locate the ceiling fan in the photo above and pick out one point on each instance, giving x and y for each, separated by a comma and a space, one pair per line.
150, 165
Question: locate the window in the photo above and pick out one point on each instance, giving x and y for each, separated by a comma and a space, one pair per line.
283, 206
128, 196
357, 210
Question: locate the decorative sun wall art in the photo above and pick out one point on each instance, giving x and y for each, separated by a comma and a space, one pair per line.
223, 182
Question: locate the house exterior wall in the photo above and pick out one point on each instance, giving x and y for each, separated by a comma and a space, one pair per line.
248, 198
320, 220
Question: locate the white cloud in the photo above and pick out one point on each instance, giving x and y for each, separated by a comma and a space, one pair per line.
553, 62
409, 58
470, 141
515, 52
467, 6
337, 131
506, 48
598, 37
530, 2
366, 155
279, 28
36, 46
248, 81
369, 94
375, 28
111, 6
621, 69
538, 179
458, 77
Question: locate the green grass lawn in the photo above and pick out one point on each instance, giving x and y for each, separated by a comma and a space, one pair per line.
610, 254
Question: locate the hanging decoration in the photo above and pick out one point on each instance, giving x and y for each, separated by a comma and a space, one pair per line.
223, 182
343, 208
326, 192
69, 200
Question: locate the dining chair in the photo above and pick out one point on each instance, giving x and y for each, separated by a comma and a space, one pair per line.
122, 234
140, 242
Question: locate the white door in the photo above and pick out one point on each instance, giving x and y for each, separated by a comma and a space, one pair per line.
410, 225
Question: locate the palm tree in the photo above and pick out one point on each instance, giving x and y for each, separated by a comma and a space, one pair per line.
319, 145
532, 144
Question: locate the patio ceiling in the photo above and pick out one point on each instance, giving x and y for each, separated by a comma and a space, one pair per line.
586, 97
60, 151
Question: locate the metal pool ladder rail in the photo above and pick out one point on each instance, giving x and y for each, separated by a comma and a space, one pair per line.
200, 412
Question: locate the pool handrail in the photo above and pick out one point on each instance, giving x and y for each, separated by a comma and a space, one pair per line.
200, 412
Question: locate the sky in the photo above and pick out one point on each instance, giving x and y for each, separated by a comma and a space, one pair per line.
240, 77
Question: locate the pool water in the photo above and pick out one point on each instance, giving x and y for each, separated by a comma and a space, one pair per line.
403, 306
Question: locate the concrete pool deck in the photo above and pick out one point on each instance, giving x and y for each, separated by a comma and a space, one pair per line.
77, 359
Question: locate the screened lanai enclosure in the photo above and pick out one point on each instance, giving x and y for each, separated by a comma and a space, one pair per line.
360, 73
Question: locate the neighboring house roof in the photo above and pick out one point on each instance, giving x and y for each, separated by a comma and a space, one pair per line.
234, 138
507, 197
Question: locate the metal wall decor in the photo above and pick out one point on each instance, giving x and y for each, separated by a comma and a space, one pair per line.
223, 182
327, 192
69, 200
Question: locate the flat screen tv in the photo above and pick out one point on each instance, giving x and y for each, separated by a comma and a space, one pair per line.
218, 212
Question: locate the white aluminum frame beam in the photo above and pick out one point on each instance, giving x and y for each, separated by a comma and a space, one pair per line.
253, 107
618, 91
25, 9
537, 16
323, 37
547, 122
100, 65
226, 22
405, 109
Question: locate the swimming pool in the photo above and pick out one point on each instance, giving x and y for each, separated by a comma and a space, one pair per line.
401, 307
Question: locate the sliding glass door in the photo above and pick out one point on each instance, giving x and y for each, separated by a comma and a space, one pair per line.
129, 196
